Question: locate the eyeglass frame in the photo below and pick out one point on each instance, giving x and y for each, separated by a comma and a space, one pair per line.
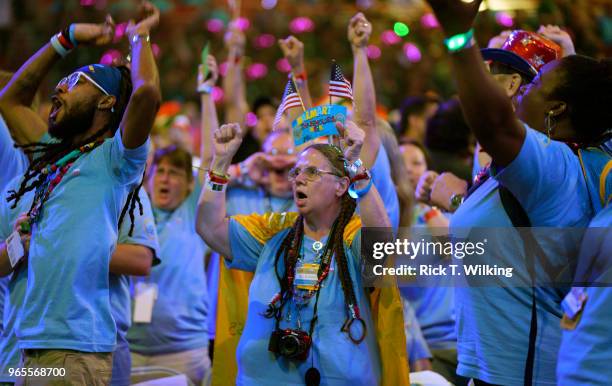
293, 175
71, 84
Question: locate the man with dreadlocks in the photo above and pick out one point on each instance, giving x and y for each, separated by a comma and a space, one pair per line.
73, 187
307, 285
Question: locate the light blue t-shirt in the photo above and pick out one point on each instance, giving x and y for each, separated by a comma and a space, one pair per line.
333, 352
180, 313
586, 352
493, 322
66, 303
144, 234
12, 161
416, 346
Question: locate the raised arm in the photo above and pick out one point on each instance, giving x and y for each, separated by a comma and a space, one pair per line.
146, 95
293, 51
16, 98
364, 94
209, 120
212, 224
234, 87
371, 207
486, 107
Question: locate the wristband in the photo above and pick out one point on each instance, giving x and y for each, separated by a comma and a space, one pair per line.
215, 186
362, 176
58, 47
205, 89
71, 35
361, 192
301, 77
221, 176
433, 212
460, 42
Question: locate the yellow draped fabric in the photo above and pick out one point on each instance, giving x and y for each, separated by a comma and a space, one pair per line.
232, 304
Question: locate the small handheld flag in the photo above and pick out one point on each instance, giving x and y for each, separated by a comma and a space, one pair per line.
290, 99
339, 86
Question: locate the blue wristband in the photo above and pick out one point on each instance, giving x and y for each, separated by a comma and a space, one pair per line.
460, 41
356, 194
71, 35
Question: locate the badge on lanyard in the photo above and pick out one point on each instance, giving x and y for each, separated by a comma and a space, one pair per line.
14, 248
144, 300
573, 305
306, 276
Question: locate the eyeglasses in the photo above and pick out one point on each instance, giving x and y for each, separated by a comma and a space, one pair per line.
72, 80
310, 172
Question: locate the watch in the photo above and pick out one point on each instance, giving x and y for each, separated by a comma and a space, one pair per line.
353, 168
455, 201
138, 37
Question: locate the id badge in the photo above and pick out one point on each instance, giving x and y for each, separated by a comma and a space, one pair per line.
14, 248
573, 305
306, 276
144, 300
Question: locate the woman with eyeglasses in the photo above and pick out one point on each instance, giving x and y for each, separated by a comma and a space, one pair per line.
308, 314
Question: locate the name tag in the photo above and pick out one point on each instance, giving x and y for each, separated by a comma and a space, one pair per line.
306, 277
144, 300
14, 248
573, 305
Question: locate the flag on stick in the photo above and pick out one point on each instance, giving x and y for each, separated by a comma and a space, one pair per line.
290, 99
339, 86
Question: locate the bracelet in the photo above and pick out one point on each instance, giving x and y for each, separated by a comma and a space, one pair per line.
136, 38
359, 193
460, 42
365, 175
353, 168
219, 176
61, 44
215, 186
302, 77
71, 35
433, 212
205, 89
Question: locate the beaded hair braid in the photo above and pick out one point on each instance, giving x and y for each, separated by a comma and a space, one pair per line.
45, 154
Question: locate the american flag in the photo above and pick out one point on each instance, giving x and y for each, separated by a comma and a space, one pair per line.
339, 86
290, 99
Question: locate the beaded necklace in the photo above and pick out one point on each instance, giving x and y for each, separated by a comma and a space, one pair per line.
54, 174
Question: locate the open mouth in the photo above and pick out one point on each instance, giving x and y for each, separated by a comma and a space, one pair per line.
164, 191
56, 104
301, 195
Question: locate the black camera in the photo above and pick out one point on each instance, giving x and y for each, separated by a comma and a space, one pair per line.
292, 344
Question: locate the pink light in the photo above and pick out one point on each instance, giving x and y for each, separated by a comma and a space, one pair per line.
264, 41
256, 71
156, 50
119, 32
110, 57
217, 94
215, 25
389, 38
243, 23
87, 3
301, 24
504, 19
373, 52
429, 21
412, 52
283, 65
251, 119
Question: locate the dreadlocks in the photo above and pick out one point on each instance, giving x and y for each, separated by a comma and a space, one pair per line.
290, 247
43, 154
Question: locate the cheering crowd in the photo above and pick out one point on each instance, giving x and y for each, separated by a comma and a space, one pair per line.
124, 257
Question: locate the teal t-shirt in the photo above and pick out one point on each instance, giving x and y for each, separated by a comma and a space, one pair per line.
66, 303
547, 180
586, 352
332, 352
180, 313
